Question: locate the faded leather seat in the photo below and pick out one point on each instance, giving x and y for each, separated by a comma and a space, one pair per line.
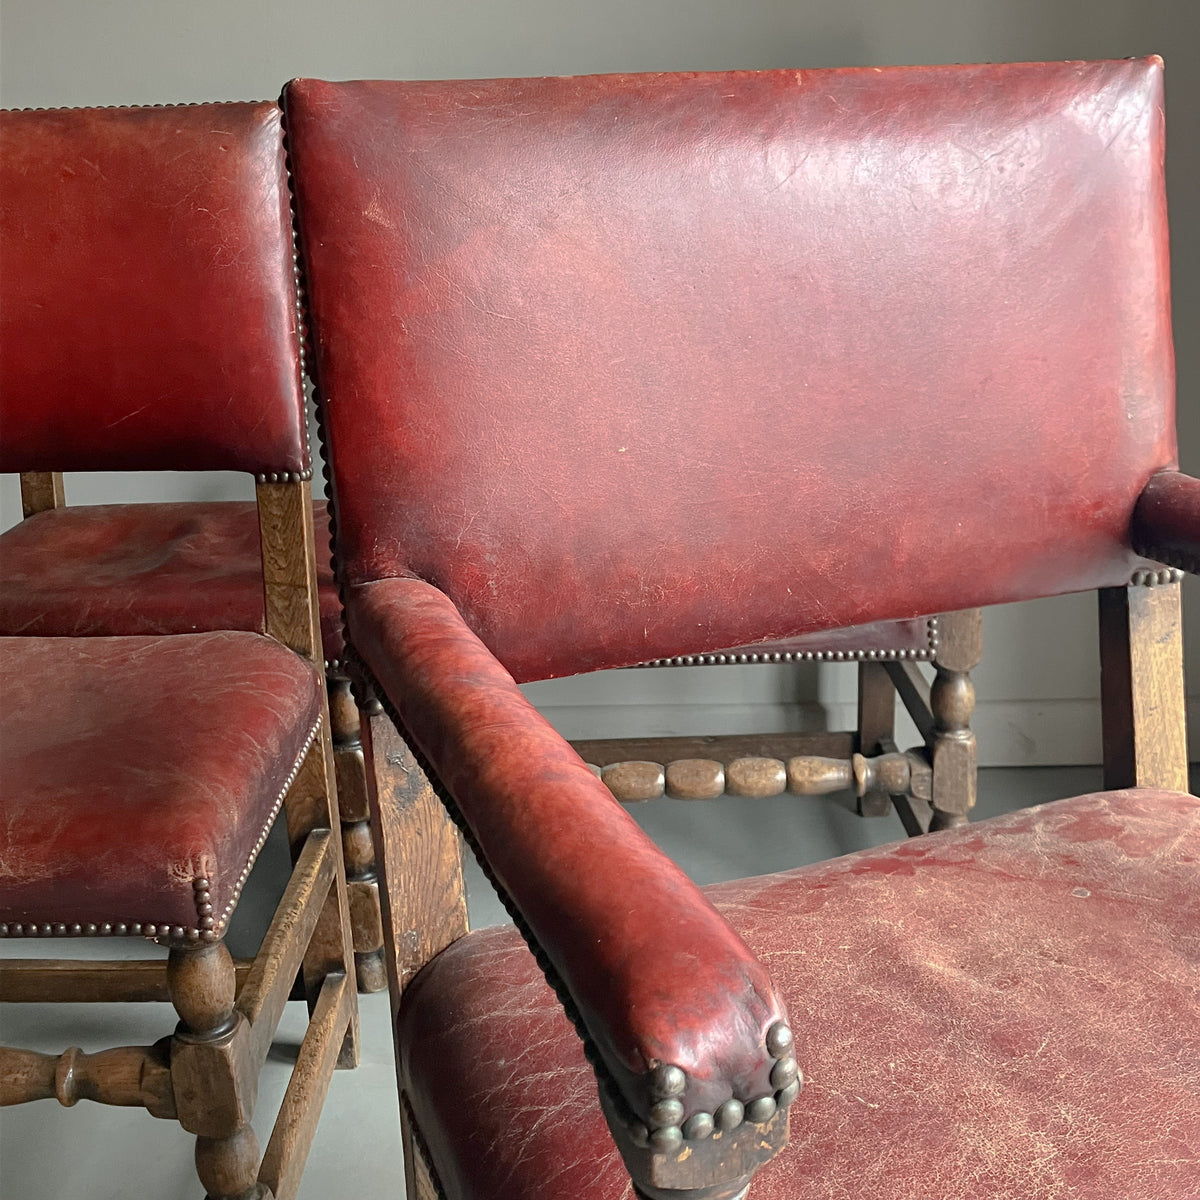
634, 367
118, 569
119, 794
1017, 1049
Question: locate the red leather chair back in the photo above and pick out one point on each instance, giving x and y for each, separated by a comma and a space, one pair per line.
148, 304
635, 366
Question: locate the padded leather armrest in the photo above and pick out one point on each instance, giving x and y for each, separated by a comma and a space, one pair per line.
682, 1014
1166, 520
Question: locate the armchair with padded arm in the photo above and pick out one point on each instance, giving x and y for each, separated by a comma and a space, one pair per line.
601, 362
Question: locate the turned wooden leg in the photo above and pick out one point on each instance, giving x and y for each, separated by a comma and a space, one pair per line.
213, 1072
362, 879
1141, 683
952, 701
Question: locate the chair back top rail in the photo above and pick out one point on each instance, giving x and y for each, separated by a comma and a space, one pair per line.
638, 365
148, 316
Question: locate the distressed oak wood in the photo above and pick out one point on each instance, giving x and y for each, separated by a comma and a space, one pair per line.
366, 919
287, 1150
913, 689
40, 491
1141, 685
285, 523
269, 982
420, 858
57, 981
718, 1168
722, 747
953, 753
128, 1076
876, 724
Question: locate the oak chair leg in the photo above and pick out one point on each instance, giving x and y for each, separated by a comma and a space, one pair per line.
41, 490
362, 880
422, 891
876, 726
1141, 685
285, 523
213, 1075
952, 701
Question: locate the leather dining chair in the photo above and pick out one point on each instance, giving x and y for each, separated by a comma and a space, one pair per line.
602, 363
149, 320
148, 568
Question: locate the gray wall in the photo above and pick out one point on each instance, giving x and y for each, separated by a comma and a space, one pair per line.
1039, 681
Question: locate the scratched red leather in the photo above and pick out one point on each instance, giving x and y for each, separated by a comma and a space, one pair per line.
1009, 1011
146, 569
602, 901
633, 366
148, 297
629, 367
881, 637
131, 766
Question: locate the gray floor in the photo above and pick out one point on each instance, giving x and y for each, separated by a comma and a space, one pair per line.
95, 1153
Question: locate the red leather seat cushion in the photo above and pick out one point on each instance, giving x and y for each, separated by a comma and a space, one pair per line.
131, 767
1001, 1012
146, 569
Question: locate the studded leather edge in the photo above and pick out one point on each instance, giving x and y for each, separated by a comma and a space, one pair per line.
668, 1130
1176, 566
208, 928
873, 654
669, 1126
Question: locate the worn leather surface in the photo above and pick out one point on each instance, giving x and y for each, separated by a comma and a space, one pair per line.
146, 569
1001, 1012
637, 366
880, 639
1167, 520
130, 767
658, 977
148, 314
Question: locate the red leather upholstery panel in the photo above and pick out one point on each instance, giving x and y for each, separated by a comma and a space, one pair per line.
656, 974
637, 366
913, 638
146, 569
1166, 522
148, 314
1001, 1012
131, 767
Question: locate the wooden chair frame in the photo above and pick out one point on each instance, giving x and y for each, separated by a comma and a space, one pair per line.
205, 1074
932, 787
44, 490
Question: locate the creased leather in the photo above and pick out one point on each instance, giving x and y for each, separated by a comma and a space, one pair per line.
657, 975
1009, 1011
131, 766
148, 314
1166, 522
112, 569
637, 366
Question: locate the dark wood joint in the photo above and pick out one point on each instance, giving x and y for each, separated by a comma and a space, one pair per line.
1143, 705
41, 491
215, 1080
719, 1167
